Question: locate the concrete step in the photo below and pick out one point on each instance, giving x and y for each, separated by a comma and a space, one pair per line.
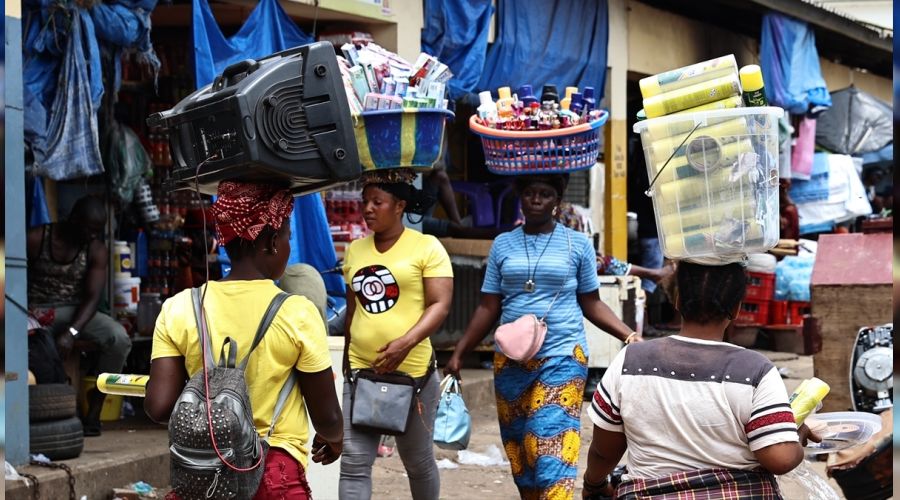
116, 459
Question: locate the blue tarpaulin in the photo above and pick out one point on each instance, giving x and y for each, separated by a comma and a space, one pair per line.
561, 42
456, 33
267, 30
790, 65
63, 77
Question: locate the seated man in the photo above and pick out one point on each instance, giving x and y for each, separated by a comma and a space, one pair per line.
67, 271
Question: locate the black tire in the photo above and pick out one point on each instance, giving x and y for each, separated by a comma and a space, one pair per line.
59, 439
51, 402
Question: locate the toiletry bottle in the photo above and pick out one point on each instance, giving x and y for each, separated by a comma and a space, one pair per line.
752, 83
487, 110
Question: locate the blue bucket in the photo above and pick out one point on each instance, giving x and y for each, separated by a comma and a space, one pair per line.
397, 138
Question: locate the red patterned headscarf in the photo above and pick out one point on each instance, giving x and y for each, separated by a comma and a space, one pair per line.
244, 209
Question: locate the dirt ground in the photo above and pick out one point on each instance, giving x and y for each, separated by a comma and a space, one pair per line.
479, 482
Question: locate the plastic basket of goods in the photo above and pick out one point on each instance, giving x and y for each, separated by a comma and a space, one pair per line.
523, 135
399, 108
410, 137
714, 180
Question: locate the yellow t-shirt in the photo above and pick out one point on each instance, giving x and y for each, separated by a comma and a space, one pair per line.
296, 339
390, 295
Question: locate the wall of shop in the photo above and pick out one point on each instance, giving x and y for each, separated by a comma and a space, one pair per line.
660, 40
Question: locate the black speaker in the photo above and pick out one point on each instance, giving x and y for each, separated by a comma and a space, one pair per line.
281, 119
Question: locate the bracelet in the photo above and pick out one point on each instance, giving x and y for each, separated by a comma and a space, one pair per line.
628, 338
73, 331
596, 486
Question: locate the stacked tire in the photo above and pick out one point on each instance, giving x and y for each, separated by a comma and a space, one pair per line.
55, 429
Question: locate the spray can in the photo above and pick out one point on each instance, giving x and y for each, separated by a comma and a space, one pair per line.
688, 75
123, 384
694, 95
487, 110
752, 82
808, 398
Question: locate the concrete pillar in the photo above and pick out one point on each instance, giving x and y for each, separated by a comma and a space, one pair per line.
615, 198
16, 338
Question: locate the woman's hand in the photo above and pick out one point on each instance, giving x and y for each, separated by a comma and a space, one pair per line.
324, 452
392, 355
452, 367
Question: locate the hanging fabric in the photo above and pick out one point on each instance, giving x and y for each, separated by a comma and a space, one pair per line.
456, 33
70, 147
560, 42
38, 213
790, 65
266, 31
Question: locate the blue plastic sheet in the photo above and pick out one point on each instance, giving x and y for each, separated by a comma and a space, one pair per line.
790, 65
38, 213
456, 33
62, 32
70, 145
561, 42
267, 30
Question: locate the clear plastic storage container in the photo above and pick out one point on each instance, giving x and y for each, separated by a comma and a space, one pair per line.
716, 181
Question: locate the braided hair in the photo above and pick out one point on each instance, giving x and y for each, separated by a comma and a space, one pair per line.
707, 294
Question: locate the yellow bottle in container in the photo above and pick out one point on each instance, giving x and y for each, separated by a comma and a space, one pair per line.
807, 397
728, 131
724, 155
692, 96
688, 220
688, 75
123, 384
660, 130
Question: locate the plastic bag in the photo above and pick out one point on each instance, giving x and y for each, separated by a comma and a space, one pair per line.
452, 423
126, 160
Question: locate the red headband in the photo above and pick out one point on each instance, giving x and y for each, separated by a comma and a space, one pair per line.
243, 210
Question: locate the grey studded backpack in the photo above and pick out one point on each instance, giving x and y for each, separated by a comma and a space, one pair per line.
198, 472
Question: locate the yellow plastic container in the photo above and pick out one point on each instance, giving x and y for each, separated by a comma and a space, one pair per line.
692, 96
688, 75
726, 172
807, 397
123, 384
112, 405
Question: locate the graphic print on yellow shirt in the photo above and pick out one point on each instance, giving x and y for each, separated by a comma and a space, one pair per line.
390, 295
296, 340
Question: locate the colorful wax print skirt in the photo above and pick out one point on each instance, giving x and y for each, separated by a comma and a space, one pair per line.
539, 408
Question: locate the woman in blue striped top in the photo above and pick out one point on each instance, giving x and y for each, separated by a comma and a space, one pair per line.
542, 268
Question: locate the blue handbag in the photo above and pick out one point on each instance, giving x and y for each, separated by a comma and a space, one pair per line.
452, 424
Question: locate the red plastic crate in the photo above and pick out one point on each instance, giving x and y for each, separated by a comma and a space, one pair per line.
796, 311
778, 312
753, 312
760, 286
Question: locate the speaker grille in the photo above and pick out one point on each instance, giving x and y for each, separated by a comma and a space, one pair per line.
282, 123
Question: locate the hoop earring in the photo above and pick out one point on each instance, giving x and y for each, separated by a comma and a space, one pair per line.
555, 211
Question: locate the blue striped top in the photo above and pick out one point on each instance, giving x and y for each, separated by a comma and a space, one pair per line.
508, 270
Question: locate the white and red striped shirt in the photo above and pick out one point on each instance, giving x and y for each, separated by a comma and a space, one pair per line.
687, 404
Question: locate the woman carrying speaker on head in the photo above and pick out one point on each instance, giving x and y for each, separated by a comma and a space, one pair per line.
541, 268
253, 222
399, 288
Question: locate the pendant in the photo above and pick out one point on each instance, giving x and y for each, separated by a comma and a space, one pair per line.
529, 286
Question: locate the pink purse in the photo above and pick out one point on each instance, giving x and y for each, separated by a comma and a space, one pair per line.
521, 339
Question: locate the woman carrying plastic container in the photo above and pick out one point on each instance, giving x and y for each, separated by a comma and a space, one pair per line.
541, 268
698, 416
399, 287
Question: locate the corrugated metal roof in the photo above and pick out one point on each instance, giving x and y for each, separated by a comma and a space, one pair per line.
874, 14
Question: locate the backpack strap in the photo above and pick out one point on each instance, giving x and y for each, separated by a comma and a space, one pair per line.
202, 329
264, 324
282, 399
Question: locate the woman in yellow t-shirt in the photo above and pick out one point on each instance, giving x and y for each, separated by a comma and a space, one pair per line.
399, 287
253, 222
